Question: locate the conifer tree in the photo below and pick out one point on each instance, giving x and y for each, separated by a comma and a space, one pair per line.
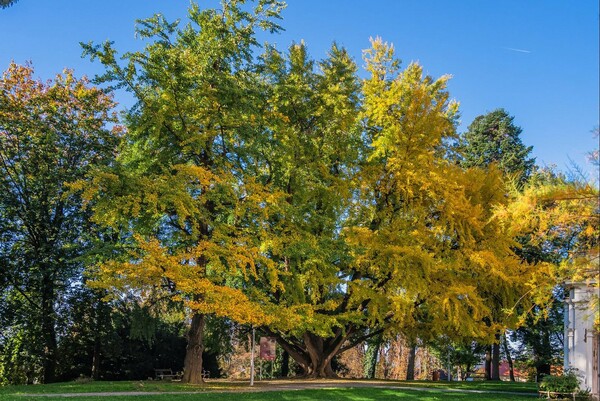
494, 138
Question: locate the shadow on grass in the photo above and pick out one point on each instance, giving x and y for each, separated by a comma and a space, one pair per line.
340, 394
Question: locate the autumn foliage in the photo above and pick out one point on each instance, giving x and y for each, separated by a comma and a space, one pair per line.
292, 195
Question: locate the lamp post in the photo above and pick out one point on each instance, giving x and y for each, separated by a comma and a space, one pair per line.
252, 358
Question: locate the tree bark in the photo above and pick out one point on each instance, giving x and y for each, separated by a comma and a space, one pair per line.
313, 354
541, 370
285, 364
410, 369
488, 363
96, 360
496, 358
100, 323
192, 367
511, 370
48, 329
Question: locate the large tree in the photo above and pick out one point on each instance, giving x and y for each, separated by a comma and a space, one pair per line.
404, 240
280, 192
179, 194
311, 160
50, 135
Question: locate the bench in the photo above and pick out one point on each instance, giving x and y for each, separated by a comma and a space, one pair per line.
166, 374
472, 376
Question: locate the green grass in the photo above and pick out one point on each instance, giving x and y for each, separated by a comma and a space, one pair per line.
349, 394
212, 391
116, 386
475, 385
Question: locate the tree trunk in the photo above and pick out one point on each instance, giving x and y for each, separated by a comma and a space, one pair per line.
542, 370
410, 369
48, 329
496, 358
488, 363
314, 354
100, 327
285, 364
371, 357
96, 360
192, 367
320, 357
511, 370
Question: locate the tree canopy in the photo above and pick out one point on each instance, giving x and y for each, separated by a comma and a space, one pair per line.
494, 138
286, 193
268, 188
51, 134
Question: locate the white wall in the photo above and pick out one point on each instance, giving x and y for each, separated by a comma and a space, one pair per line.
579, 333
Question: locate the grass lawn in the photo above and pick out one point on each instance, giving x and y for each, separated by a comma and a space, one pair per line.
475, 385
212, 391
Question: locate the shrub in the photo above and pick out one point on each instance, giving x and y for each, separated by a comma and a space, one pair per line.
567, 383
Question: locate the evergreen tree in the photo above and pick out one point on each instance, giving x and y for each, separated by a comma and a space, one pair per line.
494, 138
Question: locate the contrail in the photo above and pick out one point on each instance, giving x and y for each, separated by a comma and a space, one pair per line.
517, 50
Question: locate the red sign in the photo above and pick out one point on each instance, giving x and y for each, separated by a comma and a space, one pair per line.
267, 348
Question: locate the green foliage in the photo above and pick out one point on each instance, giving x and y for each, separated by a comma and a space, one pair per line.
50, 135
494, 138
463, 353
567, 383
7, 3
283, 192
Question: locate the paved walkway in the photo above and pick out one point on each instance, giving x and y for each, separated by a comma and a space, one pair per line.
288, 386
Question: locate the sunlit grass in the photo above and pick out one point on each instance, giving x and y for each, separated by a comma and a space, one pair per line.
219, 390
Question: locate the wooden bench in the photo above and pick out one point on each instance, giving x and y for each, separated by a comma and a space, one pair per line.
475, 376
166, 374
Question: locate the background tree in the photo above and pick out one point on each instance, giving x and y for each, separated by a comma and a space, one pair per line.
557, 218
494, 138
7, 3
50, 135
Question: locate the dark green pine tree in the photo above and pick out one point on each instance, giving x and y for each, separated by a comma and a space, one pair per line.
7, 3
494, 138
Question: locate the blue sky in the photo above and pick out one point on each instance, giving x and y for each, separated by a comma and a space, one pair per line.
538, 59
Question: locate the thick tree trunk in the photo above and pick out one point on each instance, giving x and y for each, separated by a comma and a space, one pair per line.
496, 358
371, 357
410, 369
511, 370
192, 367
320, 357
313, 353
48, 329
